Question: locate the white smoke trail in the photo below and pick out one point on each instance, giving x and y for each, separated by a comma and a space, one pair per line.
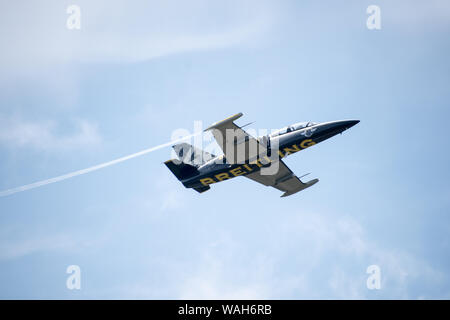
87, 170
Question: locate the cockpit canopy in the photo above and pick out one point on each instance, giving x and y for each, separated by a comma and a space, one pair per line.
296, 126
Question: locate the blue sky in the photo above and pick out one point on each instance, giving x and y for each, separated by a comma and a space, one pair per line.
135, 72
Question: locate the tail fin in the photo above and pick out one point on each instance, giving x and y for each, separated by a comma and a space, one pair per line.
180, 169
192, 155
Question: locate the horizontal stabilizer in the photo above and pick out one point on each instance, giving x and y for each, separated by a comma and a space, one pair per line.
180, 169
202, 189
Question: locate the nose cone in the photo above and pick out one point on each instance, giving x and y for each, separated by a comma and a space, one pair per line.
329, 129
347, 124
340, 125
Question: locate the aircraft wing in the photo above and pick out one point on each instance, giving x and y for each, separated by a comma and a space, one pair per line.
283, 180
237, 145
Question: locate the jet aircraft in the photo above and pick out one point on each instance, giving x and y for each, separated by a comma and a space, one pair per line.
258, 159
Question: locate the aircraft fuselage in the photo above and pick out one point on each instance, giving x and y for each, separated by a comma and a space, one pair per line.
289, 142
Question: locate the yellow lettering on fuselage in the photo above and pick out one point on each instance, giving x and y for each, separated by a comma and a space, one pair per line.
257, 163
293, 149
237, 171
222, 176
307, 143
207, 181
267, 160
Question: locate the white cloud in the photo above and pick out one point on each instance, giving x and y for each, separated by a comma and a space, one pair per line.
125, 32
214, 279
44, 135
171, 200
317, 256
345, 286
348, 241
60, 242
